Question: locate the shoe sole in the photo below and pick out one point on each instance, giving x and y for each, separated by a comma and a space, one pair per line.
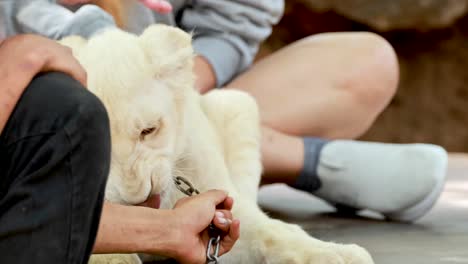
418, 210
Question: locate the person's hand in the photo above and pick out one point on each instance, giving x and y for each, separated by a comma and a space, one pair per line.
159, 6
205, 76
36, 54
24, 56
193, 215
179, 233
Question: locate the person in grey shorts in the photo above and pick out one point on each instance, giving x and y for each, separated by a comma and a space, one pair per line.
315, 96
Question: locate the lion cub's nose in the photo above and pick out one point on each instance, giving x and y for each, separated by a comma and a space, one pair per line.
153, 201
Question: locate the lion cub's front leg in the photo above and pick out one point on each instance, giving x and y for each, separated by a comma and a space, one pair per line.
234, 114
270, 241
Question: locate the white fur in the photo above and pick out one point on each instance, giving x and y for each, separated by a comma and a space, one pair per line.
212, 140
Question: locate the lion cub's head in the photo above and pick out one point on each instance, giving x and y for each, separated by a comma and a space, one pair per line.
143, 82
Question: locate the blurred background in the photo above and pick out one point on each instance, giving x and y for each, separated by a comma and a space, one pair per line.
431, 39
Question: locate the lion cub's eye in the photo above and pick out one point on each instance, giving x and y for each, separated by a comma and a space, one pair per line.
147, 131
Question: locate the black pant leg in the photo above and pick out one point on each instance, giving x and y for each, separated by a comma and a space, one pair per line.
54, 162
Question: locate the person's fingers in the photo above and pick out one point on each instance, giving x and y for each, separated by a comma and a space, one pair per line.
159, 6
227, 204
66, 63
217, 196
223, 220
224, 214
229, 240
61, 59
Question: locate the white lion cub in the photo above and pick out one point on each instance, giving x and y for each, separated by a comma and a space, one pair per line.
162, 128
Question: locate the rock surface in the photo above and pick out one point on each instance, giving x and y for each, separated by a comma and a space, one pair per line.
384, 15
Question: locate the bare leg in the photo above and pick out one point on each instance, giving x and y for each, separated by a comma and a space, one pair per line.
282, 156
330, 85
334, 86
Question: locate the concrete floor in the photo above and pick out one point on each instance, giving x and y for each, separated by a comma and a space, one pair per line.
439, 237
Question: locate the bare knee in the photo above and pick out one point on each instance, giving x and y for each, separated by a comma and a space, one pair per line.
371, 77
373, 80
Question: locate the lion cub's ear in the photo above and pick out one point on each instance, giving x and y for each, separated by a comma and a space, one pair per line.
76, 43
168, 48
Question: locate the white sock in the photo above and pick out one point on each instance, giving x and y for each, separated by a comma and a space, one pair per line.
401, 181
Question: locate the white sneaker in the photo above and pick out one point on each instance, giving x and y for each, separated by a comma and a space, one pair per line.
402, 182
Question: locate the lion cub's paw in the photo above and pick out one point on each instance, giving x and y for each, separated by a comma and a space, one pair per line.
354, 254
309, 257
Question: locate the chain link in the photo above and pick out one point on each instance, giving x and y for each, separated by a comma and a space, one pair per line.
181, 182
212, 250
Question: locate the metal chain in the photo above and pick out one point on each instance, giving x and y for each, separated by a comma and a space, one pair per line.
212, 250
181, 182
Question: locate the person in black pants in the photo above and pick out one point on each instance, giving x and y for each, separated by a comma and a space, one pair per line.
51, 191
54, 162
